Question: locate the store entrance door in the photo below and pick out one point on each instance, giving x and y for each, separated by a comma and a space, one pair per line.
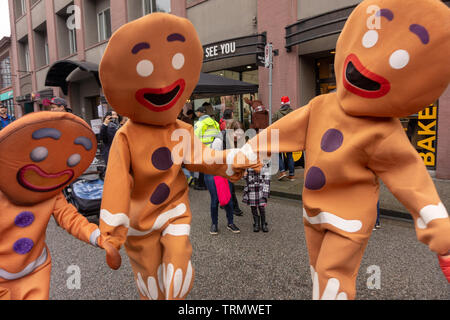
29, 107
325, 77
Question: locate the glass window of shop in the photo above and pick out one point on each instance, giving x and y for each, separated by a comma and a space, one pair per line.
420, 128
234, 102
150, 6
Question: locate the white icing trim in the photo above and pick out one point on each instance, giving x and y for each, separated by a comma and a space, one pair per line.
334, 220
27, 270
429, 213
162, 219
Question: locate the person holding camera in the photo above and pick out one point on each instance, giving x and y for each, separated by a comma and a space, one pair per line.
111, 123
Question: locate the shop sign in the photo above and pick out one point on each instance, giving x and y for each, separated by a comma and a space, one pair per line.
426, 132
235, 47
221, 49
6, 96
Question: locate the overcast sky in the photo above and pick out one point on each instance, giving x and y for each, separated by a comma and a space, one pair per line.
5, 29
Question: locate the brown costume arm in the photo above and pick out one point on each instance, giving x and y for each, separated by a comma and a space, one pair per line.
73, 222
114, 221
285, 135
402, 170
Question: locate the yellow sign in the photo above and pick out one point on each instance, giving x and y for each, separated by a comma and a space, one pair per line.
427, 126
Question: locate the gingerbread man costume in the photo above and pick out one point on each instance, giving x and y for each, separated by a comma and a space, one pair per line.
40, 154
148, 71
391, 61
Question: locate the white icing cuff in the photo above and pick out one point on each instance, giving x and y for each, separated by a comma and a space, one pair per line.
94, 236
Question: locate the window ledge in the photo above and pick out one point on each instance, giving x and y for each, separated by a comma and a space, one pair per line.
98, 44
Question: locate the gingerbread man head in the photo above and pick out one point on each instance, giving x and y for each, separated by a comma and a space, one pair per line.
150, 68
43, 152
392, 57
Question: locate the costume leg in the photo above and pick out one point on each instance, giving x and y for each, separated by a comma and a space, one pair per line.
177, 271
35, 286
145, 257
336, 267
161, 260
5, 294
314, 238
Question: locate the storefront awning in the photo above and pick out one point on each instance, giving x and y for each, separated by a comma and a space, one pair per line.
208, 85
211, 85
60, 70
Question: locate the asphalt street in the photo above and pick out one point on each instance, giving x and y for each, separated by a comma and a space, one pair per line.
254, 266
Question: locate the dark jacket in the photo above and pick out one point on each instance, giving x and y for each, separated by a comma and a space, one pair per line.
284, 110
107, 134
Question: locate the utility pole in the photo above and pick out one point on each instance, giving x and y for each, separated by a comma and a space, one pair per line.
268, 63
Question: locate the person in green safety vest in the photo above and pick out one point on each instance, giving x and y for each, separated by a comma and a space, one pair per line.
206, 128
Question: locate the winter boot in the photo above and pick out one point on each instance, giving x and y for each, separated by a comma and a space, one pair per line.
256, 225
263, 222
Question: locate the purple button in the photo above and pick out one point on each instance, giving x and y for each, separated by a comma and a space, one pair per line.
23, 246
332, 140
315, 179
160, 194
24, 219
162, 159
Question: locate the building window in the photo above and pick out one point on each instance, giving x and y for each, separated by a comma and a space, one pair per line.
5, 68
150, 6
46, 52
23, 7
72, 41
27, 59
104, 24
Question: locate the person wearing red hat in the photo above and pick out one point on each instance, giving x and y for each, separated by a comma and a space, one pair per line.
284, 110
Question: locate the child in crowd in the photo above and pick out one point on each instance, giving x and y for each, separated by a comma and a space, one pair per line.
256, 194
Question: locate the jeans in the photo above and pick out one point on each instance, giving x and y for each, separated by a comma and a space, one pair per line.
234, 198
187, 173
378, 213
291, 165
209, 181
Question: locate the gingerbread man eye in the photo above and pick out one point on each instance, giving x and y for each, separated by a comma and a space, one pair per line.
370, 39
144, 68
399, 59
178, 61
39, 154
73, 160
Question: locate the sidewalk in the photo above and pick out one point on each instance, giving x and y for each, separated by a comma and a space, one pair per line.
389, 205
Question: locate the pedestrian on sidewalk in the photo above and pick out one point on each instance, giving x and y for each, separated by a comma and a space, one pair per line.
220, 143
206, 129
285, 157
235, 131
5, 119
111, 123
256, 194
58, 104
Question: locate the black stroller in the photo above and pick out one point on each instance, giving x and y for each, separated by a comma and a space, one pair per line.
85, 193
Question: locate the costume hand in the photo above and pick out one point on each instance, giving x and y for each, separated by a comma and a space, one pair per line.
113, 258
444, 262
